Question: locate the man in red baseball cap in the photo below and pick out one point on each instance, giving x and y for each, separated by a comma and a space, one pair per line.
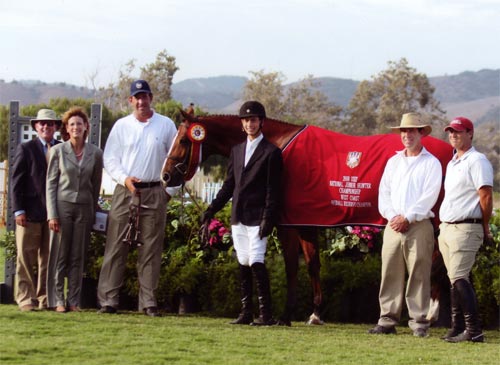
460, 124
465, 213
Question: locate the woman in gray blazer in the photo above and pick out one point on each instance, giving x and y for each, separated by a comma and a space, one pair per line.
73, 183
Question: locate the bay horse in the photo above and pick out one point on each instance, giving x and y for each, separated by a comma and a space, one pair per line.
329, 180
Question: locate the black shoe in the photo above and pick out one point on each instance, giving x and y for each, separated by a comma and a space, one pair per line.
107, 309
152, 312
451, 333
243, 319
381, 330
264, 322
284, 322
466, 336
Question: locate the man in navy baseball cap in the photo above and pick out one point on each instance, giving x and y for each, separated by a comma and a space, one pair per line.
139, 86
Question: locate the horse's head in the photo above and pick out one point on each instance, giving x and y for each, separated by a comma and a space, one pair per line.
218, 134
183, 158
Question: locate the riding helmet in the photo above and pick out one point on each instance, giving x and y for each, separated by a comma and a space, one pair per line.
252, 109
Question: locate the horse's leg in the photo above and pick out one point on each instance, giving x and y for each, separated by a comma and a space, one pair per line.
309, 243
439, 290
289, 238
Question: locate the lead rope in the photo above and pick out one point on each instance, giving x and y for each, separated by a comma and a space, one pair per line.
203, 232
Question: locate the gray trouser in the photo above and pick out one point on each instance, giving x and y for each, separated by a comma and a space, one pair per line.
152, 226
67, 253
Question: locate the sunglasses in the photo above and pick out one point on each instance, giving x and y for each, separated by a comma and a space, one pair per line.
48, 123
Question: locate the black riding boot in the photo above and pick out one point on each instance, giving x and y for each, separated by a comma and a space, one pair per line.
457, 316
246, 315
469, 307
264, 295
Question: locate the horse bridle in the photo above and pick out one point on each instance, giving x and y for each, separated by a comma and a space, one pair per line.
181, 165
186, 167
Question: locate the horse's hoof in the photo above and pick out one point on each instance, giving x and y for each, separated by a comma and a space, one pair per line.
284, 322
314, 319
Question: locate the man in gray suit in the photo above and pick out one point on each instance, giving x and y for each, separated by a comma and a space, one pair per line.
28, 204
253, 181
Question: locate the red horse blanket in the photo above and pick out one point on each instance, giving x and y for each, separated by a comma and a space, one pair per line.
332, 179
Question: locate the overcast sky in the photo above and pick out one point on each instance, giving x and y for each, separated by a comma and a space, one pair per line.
68, 40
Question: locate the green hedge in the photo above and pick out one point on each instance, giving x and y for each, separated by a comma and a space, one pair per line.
207, 278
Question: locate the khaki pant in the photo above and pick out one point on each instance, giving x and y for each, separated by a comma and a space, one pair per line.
152, 225
410, 251
32, 244
459, 244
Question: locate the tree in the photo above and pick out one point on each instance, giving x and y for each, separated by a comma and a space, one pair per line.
303, 104
268, 89
115, 96
160, 75
487, 140
297, 103
379, 103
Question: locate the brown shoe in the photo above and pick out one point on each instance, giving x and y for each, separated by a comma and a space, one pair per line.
27, 308
60, 309
74, 308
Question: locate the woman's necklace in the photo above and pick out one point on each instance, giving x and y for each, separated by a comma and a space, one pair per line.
79, 155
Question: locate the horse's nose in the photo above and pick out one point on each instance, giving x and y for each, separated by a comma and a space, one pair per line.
166, 178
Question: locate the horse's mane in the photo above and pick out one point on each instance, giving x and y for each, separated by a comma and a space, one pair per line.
232, 118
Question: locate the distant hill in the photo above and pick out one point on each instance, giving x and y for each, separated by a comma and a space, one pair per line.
474, 94
211, 93
30, 92
467, 86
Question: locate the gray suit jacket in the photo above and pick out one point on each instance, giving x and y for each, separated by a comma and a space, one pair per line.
71, 181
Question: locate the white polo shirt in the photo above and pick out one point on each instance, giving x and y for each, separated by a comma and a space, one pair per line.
137, 148
464, 177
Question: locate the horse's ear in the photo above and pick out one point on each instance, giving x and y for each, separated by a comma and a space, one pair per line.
186, 117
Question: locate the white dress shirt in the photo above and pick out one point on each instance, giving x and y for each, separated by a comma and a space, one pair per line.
251, 147
410, 186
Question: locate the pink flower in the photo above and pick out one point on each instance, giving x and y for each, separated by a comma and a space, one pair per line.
214, 223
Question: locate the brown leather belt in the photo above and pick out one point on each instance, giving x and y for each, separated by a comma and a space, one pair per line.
470, 221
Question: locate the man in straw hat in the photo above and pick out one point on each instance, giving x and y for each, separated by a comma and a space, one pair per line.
408, 190
29, 171
465, 214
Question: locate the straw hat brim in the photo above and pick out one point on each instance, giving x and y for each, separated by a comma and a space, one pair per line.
427, 129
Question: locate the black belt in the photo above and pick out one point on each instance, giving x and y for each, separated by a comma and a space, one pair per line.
145, 185
471, 220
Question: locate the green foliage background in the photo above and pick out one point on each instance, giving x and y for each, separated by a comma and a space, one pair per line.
209, 277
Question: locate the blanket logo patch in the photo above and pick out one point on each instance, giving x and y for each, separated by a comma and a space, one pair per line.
353, 159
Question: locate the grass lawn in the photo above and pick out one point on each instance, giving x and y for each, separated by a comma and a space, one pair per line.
131, 338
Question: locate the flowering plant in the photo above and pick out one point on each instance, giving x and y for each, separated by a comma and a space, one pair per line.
219, 236
364, 238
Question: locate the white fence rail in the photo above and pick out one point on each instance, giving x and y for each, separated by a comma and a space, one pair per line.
209, 191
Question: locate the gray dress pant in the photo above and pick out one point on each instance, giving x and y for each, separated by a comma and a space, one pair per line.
152, 225
67, 253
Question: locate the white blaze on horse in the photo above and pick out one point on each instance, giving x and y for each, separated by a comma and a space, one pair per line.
329, 180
